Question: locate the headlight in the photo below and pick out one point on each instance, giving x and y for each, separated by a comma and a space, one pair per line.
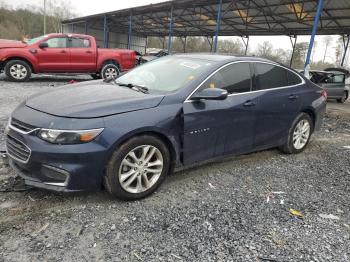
69, 136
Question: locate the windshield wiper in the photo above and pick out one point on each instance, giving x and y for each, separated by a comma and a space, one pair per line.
142, 89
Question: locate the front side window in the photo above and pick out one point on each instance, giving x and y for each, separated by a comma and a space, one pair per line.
166, 74
333, 79
79, 42
270, 76
235, 78
57, 42
338, 79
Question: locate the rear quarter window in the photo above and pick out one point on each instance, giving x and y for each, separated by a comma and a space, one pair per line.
270, 76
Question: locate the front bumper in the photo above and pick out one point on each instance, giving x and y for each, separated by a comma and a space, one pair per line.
64, 168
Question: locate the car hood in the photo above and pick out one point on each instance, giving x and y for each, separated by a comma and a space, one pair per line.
11, 44
92, 99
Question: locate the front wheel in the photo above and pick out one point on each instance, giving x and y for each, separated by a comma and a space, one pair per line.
109, 71
18, 71
137, 168
343, 98
299, 134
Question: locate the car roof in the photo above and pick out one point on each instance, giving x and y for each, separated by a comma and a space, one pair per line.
223, 57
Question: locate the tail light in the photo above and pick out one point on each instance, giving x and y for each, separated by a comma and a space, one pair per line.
324, 94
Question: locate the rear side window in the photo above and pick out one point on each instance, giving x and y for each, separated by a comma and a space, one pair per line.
293, 78
235, 78
79, 42
270, 76
57, 42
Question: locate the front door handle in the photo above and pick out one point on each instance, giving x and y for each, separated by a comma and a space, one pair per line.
63, 51
249, 103
89, 52
293, 97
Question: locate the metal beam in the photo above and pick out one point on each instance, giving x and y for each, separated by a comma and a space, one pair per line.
293, 46
345, 51
130, 31
105, 32
245, 44
314, 31
218, 23
86, 28
170, 29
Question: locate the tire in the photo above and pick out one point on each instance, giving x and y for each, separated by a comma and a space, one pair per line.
119, 166
109, 70
18, 71
95, 76
344, 98
291, 146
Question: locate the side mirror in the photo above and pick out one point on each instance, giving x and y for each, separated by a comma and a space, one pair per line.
43, 45
210, 94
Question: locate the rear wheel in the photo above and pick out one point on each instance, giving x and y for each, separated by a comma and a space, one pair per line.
343, 98
18, 70
109, 70
299, 134
137, 168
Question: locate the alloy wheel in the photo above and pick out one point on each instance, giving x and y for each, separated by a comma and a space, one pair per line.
18, 71
140, 169
111, 72
301, 134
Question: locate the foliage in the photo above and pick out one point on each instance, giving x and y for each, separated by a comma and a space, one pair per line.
28, 21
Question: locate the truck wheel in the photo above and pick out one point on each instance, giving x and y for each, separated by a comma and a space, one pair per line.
18, 71
110, 70
137, 168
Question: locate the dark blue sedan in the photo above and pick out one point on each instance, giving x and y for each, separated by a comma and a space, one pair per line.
129, 133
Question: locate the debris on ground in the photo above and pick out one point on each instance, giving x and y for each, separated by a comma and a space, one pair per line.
296, 213
329, 216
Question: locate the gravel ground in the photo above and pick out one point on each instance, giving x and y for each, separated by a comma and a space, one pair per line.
237, 209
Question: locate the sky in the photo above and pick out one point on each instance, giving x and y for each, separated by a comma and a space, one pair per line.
85, 7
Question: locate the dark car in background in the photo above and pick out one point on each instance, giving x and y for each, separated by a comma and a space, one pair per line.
153, 54
129, 133
334, 82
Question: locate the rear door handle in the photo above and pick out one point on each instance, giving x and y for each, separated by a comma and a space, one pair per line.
249, 103
293, 97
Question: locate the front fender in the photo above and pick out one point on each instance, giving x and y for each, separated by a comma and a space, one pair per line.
120, 128
22, 54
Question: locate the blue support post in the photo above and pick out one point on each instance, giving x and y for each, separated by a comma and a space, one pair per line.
345, 50
105, 32
86, 27
314, 31
130, 31
218, 24
170, 29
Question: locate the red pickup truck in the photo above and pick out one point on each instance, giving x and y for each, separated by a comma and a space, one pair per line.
62, 53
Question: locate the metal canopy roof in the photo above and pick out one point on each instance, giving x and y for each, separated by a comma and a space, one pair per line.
239, 18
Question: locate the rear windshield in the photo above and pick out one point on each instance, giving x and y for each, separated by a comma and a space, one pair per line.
166, 74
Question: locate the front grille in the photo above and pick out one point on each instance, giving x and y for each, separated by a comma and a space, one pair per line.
17, 150
22, 126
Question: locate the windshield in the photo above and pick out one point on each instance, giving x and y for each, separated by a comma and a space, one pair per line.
36, 39
166, 74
